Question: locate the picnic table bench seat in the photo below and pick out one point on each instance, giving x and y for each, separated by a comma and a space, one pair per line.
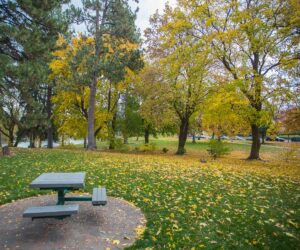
99, 197
58, 211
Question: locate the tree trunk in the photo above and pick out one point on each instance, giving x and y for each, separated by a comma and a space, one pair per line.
194, 138
91, 116
84, 142
32, 139
10, 137
62, 140
50, 137
49, 114
125, 139
255, 147
263, 136
17, 141
0, 139
184, 127
113, 131
93, 87
147, 134
19, 137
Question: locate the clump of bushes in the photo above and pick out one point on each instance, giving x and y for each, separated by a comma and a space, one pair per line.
120, 146
165, 150
68, 146
217, 148
146, 147
117, 143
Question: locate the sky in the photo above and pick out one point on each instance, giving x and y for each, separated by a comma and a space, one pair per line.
146, 9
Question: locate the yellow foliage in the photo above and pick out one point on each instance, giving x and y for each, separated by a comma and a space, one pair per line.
70, 114
226, 113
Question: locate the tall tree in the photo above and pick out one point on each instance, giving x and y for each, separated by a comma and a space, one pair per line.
290, 121
72, 72
28, 32
185, 63
226, 112
71, 114
10, 115
105, 18
130, 122
155, 110
252, 40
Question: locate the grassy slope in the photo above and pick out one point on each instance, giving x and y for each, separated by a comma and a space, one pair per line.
230, 202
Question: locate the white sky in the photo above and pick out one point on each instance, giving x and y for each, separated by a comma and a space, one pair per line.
146, 9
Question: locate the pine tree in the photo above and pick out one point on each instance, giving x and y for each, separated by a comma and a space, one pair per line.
28, 33
109, 21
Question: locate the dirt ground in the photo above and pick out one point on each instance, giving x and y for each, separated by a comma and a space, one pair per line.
113, 226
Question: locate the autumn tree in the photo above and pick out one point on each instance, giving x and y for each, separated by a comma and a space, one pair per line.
71, 113
156, 111
252, 40
105, 18
71, 71
290, 121
196, 126
130, 121
185, 64
226, 112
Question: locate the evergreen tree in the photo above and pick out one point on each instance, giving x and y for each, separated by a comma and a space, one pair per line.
107, 21
28, 32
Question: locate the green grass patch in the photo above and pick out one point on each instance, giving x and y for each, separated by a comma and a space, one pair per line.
200, 146
187, 203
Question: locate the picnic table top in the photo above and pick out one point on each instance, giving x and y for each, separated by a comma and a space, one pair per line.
59, 180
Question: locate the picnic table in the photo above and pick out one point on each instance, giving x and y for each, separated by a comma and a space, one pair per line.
62, 183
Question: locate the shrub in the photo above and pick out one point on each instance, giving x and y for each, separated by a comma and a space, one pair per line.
125, 149
118, 143
120, 146
68, 146
165, 150
152, 146
217, 148
147, 147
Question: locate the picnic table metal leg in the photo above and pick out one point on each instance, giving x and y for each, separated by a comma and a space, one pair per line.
60, 197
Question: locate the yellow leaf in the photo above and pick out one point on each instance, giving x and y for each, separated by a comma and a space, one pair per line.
116, 242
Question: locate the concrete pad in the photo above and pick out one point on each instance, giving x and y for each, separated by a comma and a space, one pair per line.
110, 227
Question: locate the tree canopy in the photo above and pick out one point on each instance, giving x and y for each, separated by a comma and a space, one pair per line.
215, 66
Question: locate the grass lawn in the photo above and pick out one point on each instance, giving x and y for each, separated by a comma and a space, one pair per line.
241, 148
228, 203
